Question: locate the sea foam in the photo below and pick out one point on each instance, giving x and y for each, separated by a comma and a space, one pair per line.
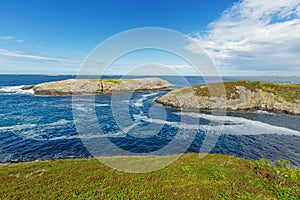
16, 89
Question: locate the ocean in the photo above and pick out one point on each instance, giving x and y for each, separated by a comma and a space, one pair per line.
42, 128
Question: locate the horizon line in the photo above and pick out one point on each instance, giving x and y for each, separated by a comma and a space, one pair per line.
28, 74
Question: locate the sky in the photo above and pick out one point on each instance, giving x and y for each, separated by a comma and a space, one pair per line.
247, 37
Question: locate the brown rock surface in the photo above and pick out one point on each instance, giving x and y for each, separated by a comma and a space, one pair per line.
99, 86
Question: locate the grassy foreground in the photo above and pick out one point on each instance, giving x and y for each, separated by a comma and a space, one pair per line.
212, 177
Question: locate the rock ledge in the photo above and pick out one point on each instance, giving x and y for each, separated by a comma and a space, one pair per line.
99, 86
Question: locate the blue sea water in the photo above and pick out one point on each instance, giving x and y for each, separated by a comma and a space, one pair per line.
38, 128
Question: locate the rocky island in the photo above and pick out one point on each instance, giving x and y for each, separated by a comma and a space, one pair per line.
239, 95
98, 86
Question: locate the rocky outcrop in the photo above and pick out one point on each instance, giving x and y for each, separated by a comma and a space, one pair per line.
241, 95
99, 86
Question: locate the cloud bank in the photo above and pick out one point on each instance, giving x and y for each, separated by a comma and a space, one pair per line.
260, 37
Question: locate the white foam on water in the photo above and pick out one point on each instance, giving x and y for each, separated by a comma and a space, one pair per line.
38, 132
149, 95
122, 133
118, 134
102, 104
88, 107
16, 89
58, 123
173, 124
79, 107
89, 136
35, 131
229, 125
264, 112
139, 102
17, 127
242, 126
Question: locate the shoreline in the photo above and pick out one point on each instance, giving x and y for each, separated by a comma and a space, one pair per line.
121, 156
201, 156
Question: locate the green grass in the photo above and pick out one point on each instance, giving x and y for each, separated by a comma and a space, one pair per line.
111, 80
213, 177
217, 89
287, 92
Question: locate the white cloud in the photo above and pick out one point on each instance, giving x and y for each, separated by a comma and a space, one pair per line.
18, 58
7, 38
256, 35
19, 54
11, 38
194, 47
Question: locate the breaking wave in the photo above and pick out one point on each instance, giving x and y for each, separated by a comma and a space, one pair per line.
16, 89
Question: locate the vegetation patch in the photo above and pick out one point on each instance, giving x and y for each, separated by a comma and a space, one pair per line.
213, 177
111, 80
287, 92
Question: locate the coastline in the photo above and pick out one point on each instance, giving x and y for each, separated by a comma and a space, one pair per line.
62, 108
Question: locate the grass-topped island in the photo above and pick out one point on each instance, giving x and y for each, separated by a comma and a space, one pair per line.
239, 95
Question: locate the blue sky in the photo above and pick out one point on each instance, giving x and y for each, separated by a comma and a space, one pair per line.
257, 37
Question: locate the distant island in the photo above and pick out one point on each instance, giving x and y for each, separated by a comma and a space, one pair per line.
97, 86
238, 96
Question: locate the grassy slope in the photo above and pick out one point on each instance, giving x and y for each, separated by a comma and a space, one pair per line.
214, 177
289, 92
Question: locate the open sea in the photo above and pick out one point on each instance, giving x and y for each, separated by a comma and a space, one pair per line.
41, 128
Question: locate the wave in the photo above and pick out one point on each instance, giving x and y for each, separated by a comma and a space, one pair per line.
226, 125
264, 112
242, 126
16, 89
88, 107
149, 95
58, 123
173, 124
40, 132
90, 136
139, 102
35, 131
102, 104
17, 127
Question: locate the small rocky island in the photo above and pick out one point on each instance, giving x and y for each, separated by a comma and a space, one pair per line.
239, 95
98, 86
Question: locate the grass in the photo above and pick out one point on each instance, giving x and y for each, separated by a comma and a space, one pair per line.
287, 92
213, 177
111, 80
